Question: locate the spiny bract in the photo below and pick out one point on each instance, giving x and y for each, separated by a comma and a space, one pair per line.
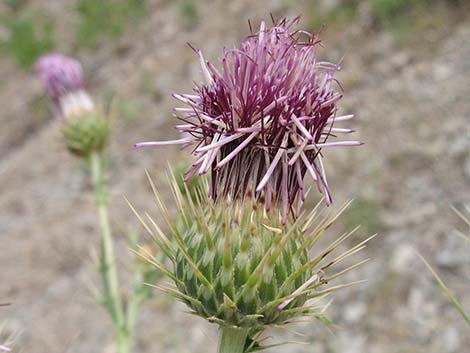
246, 268
238, 265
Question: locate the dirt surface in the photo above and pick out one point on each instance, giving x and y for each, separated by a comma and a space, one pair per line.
413, 110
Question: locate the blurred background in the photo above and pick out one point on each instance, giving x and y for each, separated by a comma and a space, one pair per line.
406, 76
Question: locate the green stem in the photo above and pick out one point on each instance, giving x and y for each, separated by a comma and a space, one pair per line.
232, 339
124, 342
134, 302
112, 296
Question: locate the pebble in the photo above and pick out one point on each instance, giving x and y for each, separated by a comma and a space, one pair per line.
451, 339
454, 252
354, 312
402, 259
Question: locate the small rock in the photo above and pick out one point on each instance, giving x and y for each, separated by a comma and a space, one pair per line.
354, 312
402, 258
349, 343
441, 71
451, 339
399, 60
454, 252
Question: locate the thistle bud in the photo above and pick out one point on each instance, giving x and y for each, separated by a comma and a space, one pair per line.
84, 127
86, 133
240, 266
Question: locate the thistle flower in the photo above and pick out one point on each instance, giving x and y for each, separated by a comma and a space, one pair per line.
239, 266
62, 78
85, 129
259, 123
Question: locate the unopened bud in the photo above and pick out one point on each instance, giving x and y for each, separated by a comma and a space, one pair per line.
86, 133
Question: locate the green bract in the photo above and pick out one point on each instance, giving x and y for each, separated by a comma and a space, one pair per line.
85, 133
234, 269
237, 265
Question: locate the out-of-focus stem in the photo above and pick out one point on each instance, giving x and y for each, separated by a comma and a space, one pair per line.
111, 292
446, 291
134, 302
232, 339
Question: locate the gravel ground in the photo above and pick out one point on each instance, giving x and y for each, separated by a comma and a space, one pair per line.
413, 113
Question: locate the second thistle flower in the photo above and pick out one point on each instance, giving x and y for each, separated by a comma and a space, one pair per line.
84, 127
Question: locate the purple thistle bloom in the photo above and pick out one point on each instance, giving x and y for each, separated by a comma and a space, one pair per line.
260, 122
62, 78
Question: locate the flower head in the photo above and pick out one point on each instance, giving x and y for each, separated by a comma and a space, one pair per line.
237, 265
62, 78
85, 129
259, 122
